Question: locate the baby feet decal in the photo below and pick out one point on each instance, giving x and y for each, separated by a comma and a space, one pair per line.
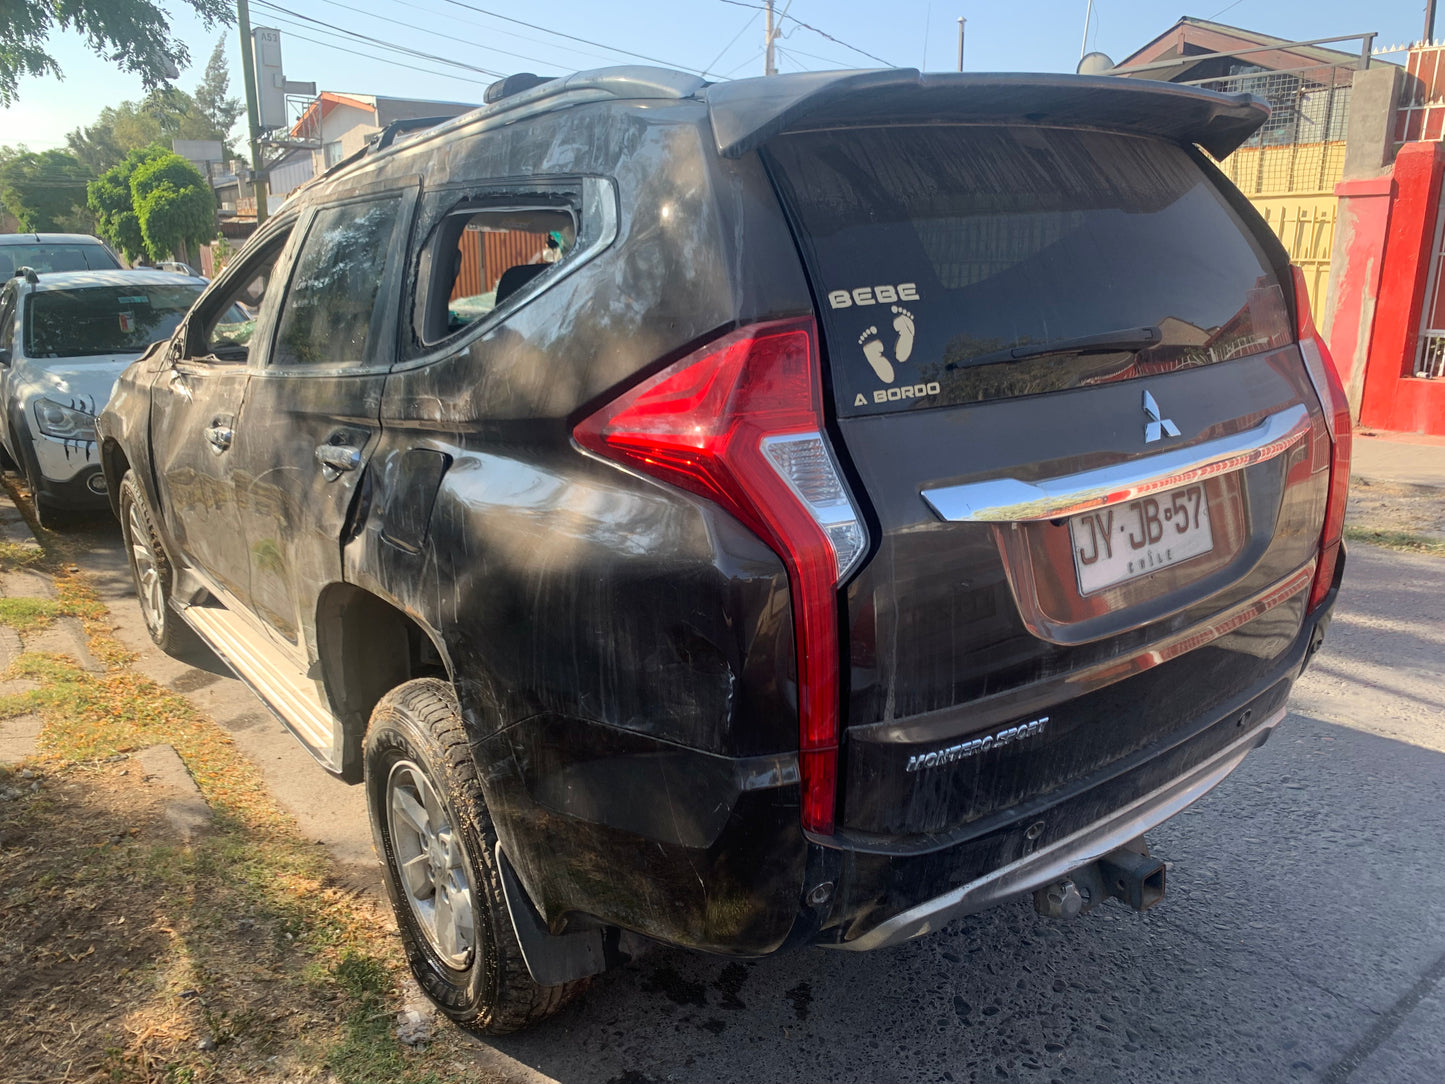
874, 351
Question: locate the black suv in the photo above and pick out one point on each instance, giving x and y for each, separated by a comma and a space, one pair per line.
788, 511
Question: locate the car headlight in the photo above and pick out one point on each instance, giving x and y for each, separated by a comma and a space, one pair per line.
63, 422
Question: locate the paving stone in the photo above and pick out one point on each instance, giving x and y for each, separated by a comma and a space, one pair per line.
26, 583
18, 738
65, 636
10, 646
162, 768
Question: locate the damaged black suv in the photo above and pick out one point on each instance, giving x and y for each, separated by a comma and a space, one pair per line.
779, 512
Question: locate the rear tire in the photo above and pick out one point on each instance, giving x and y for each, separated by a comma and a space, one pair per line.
151, 570
438, 851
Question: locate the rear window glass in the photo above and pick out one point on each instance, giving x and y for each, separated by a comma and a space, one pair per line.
103, 319
960, 264
43, 257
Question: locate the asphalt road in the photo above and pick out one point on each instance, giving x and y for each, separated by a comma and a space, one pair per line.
1303, 937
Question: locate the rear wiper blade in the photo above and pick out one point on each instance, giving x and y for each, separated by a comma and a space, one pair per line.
1106, 342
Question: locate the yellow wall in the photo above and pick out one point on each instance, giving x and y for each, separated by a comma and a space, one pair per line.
1293, 187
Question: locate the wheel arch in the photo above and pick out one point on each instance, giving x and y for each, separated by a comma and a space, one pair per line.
366, 646
113, 464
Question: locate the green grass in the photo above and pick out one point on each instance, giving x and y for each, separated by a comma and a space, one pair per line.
322, 954
369, 1053
1402, 541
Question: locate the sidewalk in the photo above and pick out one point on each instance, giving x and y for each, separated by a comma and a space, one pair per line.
1399, 459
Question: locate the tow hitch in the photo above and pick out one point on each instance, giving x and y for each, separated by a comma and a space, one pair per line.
1129, 874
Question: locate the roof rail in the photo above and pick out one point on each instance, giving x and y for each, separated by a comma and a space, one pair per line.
621, 82
513, 84
387, 136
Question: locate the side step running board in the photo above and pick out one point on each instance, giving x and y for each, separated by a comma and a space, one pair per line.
292, 697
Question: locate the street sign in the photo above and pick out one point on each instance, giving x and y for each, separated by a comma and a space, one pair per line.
270, 80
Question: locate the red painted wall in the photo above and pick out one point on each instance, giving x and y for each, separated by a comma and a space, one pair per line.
1393, 399
1360, 231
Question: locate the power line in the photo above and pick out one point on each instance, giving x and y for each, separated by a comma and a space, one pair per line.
411, 26
388, 60
325, 27
573, 37
751, 19
593, 53
815, 30
814, 56
749, 61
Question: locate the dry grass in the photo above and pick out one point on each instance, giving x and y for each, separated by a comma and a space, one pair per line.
127, 955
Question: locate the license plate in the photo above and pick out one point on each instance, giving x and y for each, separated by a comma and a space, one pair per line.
1143, 536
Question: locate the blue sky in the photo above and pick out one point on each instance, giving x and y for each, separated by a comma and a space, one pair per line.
723, 37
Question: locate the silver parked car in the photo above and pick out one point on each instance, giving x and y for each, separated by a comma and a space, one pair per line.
64, 338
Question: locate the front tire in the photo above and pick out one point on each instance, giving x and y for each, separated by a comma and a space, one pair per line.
438, 847
151, 570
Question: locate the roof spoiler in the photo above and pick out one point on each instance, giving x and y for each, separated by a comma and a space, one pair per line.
748, 112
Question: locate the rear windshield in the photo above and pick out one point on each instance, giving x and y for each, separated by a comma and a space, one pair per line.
956, 264
59, 257
104, 319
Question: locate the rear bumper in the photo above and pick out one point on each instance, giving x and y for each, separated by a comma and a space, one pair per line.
1052, 862
706, 852
889, 890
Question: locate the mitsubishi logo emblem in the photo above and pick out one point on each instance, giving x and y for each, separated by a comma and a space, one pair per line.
1156, 426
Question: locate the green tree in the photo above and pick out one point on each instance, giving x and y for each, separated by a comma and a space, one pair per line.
43, 189
135, 34
213, 99
110, 199
174, 204
161, 116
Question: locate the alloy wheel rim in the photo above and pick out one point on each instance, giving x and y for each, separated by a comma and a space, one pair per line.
430, 864
147, 572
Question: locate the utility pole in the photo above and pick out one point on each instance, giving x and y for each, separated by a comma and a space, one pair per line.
258, 176
1429, 21
961, 21
769, 66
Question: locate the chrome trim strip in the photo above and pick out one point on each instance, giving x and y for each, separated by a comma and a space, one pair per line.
1058, 859
1009, 500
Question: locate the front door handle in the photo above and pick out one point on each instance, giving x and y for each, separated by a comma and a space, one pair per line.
336, 458
219, 435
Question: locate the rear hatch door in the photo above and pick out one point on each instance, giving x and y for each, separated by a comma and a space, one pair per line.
1065, 380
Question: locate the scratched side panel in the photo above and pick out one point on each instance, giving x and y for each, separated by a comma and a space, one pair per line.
622, 651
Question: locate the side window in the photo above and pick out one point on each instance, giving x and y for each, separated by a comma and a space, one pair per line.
482, 257
230, 322
334, 306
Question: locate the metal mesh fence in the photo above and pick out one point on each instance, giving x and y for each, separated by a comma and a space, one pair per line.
1301, 148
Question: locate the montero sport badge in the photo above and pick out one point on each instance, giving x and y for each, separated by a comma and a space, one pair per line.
974, 746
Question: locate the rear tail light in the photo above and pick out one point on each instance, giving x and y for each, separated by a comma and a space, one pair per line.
740, 422
1331, 391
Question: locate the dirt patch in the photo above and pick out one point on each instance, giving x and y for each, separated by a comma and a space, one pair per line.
1391, 506
130, 954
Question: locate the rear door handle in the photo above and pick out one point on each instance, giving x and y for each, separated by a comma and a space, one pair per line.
219, 435
336, 458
